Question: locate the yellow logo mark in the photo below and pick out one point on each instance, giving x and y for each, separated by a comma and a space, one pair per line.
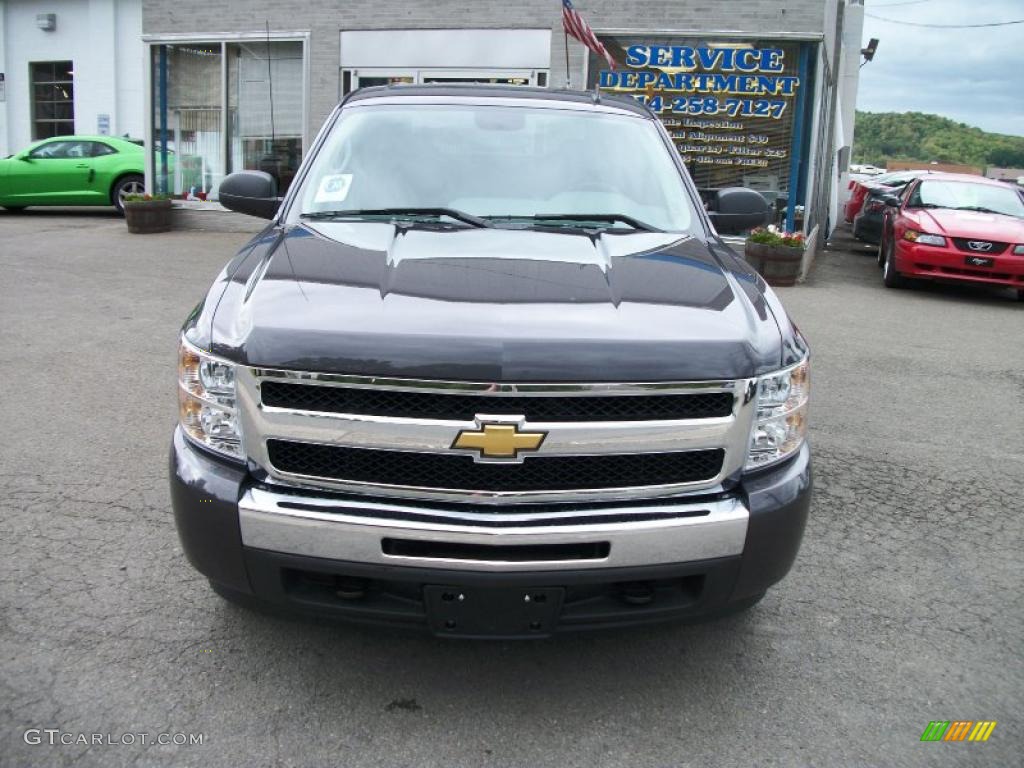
499, 441
982, 730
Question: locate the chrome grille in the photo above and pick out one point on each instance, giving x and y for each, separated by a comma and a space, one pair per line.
394, 437
459, 472
460, 407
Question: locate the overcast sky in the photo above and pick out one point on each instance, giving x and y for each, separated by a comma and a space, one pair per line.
974, 76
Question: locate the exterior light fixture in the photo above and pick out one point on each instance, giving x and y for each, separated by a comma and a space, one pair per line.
869, 52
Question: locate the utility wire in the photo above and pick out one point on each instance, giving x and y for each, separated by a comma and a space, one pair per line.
906, 2
945, 26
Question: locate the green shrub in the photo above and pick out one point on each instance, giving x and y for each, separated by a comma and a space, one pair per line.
145, 198
771, 235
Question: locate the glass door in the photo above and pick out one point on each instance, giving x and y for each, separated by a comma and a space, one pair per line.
188, 138
265, 108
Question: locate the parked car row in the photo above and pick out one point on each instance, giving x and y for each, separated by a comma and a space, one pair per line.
73, 170
874, 187
867, 222
866, 170
953, 227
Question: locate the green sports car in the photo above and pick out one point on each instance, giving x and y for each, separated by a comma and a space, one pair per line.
72, 170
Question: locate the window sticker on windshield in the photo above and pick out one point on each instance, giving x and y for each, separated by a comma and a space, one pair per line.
333, 188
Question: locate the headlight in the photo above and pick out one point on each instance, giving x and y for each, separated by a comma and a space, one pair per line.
1018, 250
918, 237
781, 422
206, 401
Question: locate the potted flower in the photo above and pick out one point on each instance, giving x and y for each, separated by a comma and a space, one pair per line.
776, 254
146, 214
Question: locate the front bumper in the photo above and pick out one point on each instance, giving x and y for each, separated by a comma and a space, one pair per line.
949, 263
376, 561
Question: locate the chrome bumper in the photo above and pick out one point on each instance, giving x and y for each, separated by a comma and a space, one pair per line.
354, 531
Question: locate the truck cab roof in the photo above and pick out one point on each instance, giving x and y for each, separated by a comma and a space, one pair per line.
485, 93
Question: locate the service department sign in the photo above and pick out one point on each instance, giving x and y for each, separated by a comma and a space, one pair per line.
729, 106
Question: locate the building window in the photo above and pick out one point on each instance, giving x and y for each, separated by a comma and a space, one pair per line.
53, 99
393, 56
265, 108
221, 107
366, 77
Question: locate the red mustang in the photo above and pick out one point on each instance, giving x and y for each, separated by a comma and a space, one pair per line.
954, 227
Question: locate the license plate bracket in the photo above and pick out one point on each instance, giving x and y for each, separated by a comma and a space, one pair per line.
454, 611
980, 261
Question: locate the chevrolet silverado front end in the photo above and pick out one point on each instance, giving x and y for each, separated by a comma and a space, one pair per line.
483, 377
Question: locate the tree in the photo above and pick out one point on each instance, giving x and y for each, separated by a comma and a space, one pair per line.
1006, 157
884, 136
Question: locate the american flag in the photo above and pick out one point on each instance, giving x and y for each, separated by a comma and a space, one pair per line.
576, 25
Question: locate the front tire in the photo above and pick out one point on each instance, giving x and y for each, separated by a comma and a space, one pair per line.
14, 208
890, 276
1020, 294
132, 184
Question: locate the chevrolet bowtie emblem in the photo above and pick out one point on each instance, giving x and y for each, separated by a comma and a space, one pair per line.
499, 441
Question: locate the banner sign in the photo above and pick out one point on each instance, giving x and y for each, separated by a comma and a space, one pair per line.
728, 105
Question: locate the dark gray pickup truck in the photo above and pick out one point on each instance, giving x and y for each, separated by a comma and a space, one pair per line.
490, 371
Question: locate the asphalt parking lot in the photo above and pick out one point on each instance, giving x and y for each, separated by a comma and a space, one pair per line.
904, 605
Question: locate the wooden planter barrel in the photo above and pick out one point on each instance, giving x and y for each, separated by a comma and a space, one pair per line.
145, 217
778, 264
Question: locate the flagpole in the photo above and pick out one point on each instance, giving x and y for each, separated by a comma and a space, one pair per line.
568, 82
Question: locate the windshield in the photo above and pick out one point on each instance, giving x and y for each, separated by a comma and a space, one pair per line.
503, 164
944, 193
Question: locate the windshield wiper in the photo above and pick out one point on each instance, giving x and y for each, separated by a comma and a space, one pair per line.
610, 218
451, 213
980, 209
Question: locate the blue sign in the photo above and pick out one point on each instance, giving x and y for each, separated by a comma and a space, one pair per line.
728, 105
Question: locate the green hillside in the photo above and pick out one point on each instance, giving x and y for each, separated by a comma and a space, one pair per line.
883, 136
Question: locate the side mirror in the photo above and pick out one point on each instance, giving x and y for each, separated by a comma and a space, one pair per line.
253, 193
891, 200
25, 158
737, 209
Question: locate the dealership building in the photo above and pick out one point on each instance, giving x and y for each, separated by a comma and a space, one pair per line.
755, 93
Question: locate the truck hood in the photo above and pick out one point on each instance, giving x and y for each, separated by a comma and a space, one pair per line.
377, 299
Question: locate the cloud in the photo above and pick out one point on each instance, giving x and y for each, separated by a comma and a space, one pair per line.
972, 76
